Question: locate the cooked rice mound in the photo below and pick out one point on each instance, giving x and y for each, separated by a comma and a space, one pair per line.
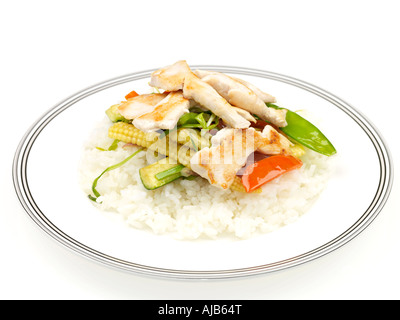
191, 209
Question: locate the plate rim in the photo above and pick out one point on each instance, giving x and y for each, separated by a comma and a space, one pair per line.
21, 185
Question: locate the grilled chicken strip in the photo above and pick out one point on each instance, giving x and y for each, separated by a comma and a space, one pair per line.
205, 95
227, 155
139, 105
241, 96
170, 78
245, 114
266, 97
230, 150
179, 76
165, 114
273, 142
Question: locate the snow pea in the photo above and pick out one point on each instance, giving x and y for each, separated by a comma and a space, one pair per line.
305, 133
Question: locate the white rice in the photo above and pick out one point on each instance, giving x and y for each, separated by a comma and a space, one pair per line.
191, 209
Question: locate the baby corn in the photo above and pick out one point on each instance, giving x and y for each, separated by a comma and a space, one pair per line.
191, 138
126, 132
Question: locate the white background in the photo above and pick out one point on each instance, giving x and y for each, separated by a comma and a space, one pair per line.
52, 49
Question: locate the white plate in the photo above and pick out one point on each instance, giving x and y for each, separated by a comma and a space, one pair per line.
45, 179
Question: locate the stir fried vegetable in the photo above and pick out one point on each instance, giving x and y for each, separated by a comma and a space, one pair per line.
113, 114
115, 166
265, 170
202, 115
202, 120
256, 175
131, 94
160, 173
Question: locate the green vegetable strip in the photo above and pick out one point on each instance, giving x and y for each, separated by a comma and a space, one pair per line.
188, 118
194, 145
112, 147
115, 166
210, 120
304, 132
191, 125
166, 173
213, 125
201, 120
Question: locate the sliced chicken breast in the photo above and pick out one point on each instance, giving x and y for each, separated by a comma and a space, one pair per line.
139, 105
239, 95
205, 95
227, 155
273, 142
245, 114
170, 78
179, 76
266, 97
165, 114
230, 150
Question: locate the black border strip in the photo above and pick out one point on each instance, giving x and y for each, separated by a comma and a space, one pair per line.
21, 184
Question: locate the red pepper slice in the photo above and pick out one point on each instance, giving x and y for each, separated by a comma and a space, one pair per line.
131, 94
263, 171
